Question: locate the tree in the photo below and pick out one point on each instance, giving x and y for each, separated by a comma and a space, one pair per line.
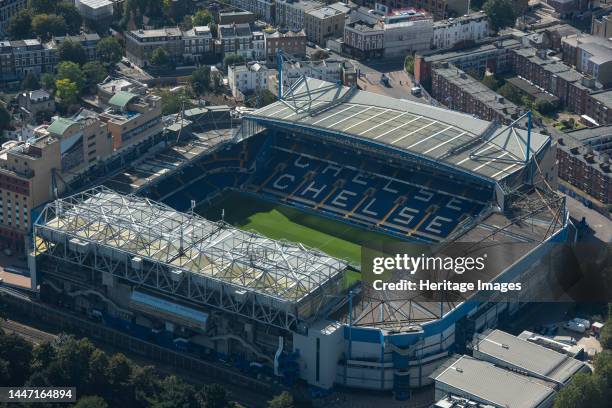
233, 59
72, 51
42, 6
174, 392
201, 18
200, 80
109, 50
319, 55
47, 81
67, 91
510, 92
18, 353
490, 82
20, 25
501, 13
409, 64
30, 82
603, 368
49, 25
94, 73
70, 70
215, 396
283, 400
71, 16
91, 402
545, 107
159, 57
605, 337
172, 102
585, 390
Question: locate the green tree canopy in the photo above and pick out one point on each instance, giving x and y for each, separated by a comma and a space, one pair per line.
20, 25
409, 64
233, 59
30, 82
91, 402
545, 107
16, 351
47, 81
215, 396
501, 13
70, 70
109, 50
42, 6
49, 25
94, 73
585, 390
71, 16
72, 51
200, 80
283, 400
201, 18
511, 93
159, 57
5, 120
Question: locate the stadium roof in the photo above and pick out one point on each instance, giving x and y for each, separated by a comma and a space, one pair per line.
487, 383
457, 140
530, 357
127, 225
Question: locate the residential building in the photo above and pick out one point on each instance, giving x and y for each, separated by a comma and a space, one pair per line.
599, 107
34, 103
493, 55
330, 70
601, 23
132, 118
110, 86
140, 44
324, 23
406, 31
263, 9
596, 60
440, 9
461, 30
247, 79
28, 170
599, 137
364, 39
240, 40
23, 57
8, 8
486, 383
458, 91
95, 10
236, 17
89, 41
291, 13
585, 169
198, 44
289, 41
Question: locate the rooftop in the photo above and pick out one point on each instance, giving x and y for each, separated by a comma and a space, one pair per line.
530, 357
127, 225
494, 385
324, 12
121, 99
158, 32
424, 131
60, 125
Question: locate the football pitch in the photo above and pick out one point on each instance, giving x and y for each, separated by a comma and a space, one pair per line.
278, 221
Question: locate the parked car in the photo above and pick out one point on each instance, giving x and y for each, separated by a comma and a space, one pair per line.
575, 326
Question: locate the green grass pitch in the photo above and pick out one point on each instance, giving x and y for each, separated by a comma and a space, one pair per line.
283, 222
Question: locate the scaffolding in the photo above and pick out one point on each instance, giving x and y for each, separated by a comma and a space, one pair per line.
183, 255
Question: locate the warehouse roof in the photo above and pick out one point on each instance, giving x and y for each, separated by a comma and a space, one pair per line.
530, 357
455, 139
484, 382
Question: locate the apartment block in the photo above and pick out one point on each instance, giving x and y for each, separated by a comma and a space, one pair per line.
291, 42
291, 14
140, 44
198, 44
263, 9
248, 78
461, 30
23, 57
89, 42
601, 23
238, 39
458, 91
406, 31
364, 39
440, 9
132, 118
236, 17
8, 8
599, 107
324, 23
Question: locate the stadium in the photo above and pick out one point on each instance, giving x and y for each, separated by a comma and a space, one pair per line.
251, 253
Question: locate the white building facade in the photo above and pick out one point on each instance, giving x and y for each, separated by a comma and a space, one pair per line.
249, 78
448, 33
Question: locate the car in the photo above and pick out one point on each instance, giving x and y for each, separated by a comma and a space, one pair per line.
575, 326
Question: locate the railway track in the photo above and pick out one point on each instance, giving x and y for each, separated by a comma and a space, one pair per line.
28, 333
